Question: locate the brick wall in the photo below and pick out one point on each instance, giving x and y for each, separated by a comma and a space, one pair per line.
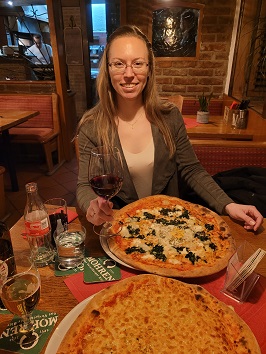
208, 72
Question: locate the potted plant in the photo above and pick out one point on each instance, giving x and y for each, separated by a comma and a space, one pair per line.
203, 112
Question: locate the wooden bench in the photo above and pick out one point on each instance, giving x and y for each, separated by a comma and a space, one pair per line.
43, 129
224, 157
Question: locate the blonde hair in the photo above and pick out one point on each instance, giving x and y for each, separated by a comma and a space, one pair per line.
104, 112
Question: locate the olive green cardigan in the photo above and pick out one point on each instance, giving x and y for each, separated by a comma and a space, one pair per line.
170, 176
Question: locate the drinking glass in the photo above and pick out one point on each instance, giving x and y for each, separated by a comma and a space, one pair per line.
105, 177
70, 245
20, 292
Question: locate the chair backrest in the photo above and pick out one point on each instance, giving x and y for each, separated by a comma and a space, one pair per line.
177, 100
47, 105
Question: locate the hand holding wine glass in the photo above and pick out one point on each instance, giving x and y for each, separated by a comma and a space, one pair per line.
20, 293
105, 176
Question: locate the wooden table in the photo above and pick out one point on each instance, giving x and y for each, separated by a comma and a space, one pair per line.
10, 118
218, 130
55, 295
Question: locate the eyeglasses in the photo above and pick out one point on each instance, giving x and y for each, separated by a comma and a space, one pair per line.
118, 67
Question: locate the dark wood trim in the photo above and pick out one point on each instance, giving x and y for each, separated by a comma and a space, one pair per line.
60, 69
87, 35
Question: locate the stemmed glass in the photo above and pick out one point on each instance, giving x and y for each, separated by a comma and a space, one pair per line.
105, 177
20, 292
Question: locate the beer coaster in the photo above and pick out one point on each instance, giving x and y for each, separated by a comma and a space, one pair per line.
4, 312
44, 322
101, 269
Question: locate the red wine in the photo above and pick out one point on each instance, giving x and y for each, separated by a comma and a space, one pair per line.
106, 186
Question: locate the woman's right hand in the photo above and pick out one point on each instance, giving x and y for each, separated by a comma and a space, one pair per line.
99, 211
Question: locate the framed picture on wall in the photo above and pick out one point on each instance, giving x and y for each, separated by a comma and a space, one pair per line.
176, 30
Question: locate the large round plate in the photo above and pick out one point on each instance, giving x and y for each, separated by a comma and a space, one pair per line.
105, 246
64, 326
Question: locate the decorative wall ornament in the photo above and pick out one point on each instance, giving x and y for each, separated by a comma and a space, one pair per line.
73, 45
176, 30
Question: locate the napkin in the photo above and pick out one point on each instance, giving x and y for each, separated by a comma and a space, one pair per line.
71, 215
253, 311
190, 122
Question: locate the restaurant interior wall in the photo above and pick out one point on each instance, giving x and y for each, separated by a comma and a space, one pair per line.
207, 72
178, 76
187, 77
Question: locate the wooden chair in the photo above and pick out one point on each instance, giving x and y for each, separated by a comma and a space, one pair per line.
177, 100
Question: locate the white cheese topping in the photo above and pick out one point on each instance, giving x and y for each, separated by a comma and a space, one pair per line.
168, 235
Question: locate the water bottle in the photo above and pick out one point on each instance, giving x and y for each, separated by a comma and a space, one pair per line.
37, 227
6, 251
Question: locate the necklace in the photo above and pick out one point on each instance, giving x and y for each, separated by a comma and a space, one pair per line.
132, 124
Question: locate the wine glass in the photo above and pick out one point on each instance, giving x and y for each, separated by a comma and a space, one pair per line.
20, 293
105, 177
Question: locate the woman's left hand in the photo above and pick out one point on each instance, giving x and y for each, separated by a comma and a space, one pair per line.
248, 213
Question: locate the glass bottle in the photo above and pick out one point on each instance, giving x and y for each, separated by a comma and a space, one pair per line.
37, 227
6, 251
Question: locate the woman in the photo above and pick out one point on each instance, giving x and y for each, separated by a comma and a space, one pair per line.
157, 155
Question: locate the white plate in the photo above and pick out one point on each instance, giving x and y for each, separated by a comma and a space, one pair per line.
105, 246
64, 326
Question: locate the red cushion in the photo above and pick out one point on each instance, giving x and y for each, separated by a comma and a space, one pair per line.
41, 103
34, 134
217, 158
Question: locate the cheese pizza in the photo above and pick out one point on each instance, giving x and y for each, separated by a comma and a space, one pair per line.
153, 314
169, 236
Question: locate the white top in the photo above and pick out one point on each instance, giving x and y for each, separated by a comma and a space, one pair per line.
40, 55
141, 169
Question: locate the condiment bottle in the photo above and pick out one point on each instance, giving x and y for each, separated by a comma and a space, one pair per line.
37, 227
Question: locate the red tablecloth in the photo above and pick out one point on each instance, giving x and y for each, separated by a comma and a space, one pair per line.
253, 311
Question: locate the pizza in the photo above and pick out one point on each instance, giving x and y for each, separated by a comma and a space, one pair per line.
153, 314
169, 236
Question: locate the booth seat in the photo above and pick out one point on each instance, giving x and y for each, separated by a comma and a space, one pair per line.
216, 159
43, 129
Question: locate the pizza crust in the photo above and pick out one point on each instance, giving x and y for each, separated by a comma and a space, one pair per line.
220, 257
154, 314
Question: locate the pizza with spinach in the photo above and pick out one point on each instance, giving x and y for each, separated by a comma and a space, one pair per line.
169, 236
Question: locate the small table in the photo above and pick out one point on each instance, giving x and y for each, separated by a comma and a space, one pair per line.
56, 296
10, 118
217, 129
